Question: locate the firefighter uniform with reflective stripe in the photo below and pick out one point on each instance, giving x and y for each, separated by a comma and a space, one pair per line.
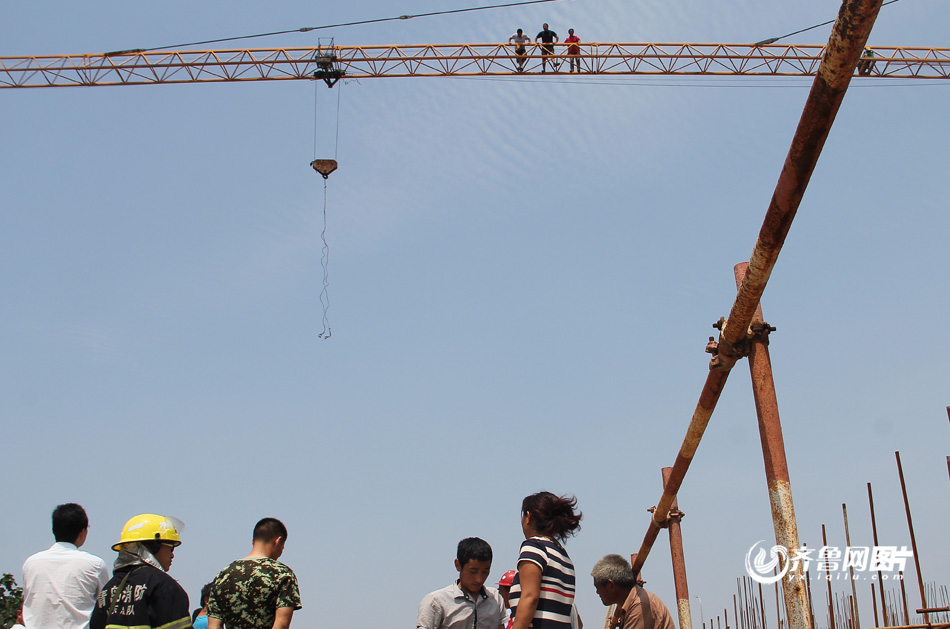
149, 599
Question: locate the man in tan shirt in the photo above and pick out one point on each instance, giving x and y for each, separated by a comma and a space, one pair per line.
636, 608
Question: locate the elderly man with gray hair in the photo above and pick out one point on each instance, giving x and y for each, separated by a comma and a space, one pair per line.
636, 608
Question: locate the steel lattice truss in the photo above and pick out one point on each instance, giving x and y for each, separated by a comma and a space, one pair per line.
274, 64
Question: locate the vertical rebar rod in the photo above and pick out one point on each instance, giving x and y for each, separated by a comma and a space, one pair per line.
735, 611
744, 597
740, 612
753, 609
913, 538
777, 478
854, 591
778, 605
874, 606
845, 47
750, 606
904, 599
749, 611
831, 606
679, 560
880, 579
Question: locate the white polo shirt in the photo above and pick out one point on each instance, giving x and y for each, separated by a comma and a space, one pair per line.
60, 586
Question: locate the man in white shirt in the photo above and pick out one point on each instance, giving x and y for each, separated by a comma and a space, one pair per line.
60, 585
519, 39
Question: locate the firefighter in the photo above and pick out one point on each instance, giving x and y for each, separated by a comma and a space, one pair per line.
140, 594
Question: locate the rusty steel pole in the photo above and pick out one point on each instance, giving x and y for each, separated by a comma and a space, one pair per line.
773, 454
679, 560
880, 579
845, 47
913, 538
854, 590
904, 599
831, 600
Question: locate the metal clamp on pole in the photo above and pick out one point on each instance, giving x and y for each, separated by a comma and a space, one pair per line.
761, 331
674, 515
725, 355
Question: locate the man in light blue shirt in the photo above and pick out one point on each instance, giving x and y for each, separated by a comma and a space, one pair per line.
467, 603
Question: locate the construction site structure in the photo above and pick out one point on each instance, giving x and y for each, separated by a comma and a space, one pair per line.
743, 334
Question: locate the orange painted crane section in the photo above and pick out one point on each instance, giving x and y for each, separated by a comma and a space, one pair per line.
447, 60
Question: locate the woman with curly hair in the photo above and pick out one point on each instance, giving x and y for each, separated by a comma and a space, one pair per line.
542, 593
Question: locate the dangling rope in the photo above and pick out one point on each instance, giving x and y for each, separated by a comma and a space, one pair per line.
325, 167
325, 261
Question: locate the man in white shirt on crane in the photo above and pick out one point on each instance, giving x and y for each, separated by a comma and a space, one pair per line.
60, 585
520, 40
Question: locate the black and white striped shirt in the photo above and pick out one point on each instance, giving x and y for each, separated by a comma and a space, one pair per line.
557, 583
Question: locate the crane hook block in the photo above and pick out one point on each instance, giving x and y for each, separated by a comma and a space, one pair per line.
324, 166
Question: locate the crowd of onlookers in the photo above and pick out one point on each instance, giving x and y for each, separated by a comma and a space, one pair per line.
539, 594
67, 588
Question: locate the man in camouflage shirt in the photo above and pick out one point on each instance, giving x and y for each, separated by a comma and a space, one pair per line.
257, 592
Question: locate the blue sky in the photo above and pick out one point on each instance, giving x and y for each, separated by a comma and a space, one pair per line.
523, 274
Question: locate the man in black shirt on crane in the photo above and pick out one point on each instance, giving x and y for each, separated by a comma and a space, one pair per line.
548, 39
